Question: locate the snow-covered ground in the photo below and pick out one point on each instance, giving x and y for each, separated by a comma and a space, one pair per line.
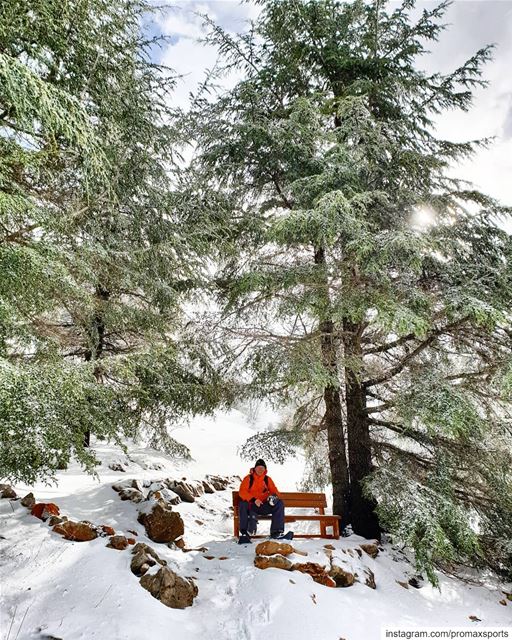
54, 588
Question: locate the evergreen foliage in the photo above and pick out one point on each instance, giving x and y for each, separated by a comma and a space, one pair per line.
95, 261
314, 168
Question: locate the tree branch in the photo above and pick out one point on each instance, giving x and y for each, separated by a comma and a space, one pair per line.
16, 236
410, 356
391, 345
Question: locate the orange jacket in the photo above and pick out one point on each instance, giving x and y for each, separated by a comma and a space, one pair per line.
259, 489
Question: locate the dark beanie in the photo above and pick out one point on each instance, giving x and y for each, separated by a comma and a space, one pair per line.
260, 462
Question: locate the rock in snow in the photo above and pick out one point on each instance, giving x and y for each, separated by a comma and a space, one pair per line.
131, 494
219, 483
317, 572
370, 579
341, 577
371, 549
187, 491
44, 510
164, 494
170, 588
275, 562
269, 548
6, 491
28, 501
144, 557
162, 524
208, 487
78, 531
118, 542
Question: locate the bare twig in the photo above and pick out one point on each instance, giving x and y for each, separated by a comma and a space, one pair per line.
103, 597
12, 622
23, 620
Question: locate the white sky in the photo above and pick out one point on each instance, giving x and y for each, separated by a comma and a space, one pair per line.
473, 24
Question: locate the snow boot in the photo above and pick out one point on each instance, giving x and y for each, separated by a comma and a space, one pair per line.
244, 538
281, 535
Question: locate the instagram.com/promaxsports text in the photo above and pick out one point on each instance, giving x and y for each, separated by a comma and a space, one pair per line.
450, 633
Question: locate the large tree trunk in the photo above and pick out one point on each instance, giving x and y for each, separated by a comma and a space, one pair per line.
333, 418
96, 342
335, 436
362, 510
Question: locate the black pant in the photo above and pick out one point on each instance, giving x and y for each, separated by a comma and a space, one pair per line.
248, 513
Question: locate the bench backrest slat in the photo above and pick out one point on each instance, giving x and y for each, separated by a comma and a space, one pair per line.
295, 500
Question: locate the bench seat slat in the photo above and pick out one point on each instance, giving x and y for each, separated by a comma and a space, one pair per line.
327, 536
296, 500
299, 516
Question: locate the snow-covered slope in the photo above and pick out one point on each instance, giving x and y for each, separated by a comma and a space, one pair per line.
55, 588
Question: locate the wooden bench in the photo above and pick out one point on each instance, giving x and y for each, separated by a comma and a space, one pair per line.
296, 501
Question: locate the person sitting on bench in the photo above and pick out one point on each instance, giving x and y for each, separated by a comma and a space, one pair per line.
259, 497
